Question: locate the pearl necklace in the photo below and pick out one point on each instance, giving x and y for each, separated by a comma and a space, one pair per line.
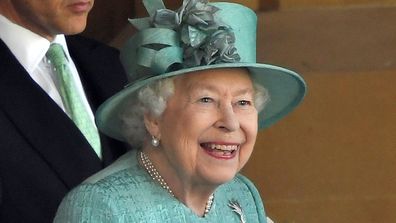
154, 174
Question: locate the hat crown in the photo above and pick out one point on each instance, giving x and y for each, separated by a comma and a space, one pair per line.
198, 34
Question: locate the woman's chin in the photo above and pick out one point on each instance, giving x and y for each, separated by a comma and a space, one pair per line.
218, 178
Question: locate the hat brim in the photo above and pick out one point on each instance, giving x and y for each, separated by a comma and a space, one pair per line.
286, 89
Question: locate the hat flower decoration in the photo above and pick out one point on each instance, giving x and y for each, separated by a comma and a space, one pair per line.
198, 36
204, 40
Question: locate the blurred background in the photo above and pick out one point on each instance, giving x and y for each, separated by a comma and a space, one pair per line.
333, 159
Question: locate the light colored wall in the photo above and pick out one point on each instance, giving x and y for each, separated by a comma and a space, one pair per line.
299, 4
334, 158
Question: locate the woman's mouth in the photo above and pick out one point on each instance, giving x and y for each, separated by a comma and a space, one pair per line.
221, 151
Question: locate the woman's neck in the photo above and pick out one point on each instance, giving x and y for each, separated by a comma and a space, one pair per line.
197, 197
199, 201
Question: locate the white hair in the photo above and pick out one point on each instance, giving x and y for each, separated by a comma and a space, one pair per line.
152, 99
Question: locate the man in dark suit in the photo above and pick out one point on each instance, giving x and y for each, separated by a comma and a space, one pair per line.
42, 153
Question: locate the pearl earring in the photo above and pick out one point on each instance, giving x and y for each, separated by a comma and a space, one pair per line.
154, 141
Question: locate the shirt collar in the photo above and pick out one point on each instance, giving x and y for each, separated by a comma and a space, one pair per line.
28, 47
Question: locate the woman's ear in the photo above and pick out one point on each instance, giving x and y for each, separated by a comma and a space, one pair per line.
152, 125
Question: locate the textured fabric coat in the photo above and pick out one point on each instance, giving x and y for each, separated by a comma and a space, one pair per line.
124, 192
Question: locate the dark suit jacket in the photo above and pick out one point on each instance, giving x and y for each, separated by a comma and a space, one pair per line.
42, 153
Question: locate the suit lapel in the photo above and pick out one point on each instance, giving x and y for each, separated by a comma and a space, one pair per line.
43, 124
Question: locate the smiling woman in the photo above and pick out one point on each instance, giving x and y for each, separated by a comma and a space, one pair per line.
195, 102
213, 123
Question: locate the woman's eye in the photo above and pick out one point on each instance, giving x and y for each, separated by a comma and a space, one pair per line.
206, 100
244, 103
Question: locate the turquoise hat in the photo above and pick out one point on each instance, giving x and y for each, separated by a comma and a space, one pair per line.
198, 36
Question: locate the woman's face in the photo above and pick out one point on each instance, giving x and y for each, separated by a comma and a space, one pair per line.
48, 17
209, 127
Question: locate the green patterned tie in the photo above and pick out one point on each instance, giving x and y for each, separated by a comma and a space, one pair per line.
71, 98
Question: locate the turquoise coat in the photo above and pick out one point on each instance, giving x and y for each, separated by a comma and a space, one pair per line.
124, 192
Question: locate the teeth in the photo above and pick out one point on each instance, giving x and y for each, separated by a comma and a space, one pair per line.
223, 147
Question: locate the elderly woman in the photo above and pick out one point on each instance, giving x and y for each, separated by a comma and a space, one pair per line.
192, 111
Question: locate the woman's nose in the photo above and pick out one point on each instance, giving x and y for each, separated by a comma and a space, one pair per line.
227, 119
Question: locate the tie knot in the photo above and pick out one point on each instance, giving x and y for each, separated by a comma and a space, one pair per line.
56, 55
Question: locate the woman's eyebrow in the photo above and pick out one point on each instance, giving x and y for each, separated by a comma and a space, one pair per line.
212, 87
244, 91
202, 87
